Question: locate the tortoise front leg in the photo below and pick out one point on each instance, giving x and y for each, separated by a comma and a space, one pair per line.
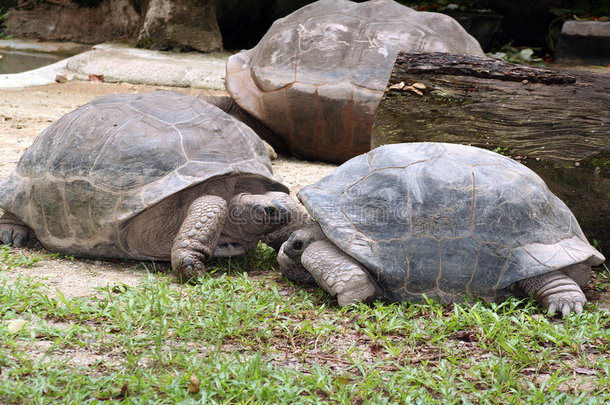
14, 232
338, 274
554, 291
198, 236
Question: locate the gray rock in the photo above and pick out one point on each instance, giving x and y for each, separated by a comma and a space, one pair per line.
181, 24
584, 42
67, 21
157, 24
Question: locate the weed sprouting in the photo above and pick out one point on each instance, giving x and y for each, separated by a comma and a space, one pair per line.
251, 337
10, 258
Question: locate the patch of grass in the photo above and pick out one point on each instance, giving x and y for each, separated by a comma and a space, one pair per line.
502, 150
10, 258
144, 43
56, 255
248, 336
260, 259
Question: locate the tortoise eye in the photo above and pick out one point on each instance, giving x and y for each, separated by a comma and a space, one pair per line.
298, 245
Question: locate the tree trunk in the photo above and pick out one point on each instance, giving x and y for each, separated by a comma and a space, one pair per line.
555, 122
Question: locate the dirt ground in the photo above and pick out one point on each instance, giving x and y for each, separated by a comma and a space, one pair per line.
24, 113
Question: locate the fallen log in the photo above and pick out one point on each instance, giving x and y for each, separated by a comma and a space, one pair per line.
556, 122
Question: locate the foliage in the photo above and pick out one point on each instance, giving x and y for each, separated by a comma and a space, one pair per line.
145, 42
5, 5
515, 11
244, 335
524, 55
584, 10
3, 16
580, 10
87, 3
10, 259
444, 5
502, 150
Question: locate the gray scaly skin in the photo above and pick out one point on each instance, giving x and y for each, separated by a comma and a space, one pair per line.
308, 255
215, 227
198, 236
334, 271
555, 291
338, 273
212, 227
15, 232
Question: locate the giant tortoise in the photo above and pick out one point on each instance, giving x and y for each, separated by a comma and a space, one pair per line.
316, 77
441, 220
152, 176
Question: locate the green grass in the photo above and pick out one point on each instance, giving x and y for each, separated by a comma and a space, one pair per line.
10, 259
250, 337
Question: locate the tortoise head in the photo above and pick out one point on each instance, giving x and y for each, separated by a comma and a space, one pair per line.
259, 214
289, 256
269, 217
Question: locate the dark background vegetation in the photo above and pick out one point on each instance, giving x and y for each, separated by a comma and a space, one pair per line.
531, 23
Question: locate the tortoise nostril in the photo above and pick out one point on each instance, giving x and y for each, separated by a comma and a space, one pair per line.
271, 212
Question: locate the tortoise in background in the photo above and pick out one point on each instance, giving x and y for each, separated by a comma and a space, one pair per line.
441, 220
152, 176
317, 76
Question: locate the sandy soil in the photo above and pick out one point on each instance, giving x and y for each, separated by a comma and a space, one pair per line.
24, 113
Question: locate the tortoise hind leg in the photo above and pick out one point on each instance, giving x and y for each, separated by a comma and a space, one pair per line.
198, 236
555, 291
14, 232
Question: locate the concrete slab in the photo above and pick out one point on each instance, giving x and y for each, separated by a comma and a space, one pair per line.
122, 63
584, 42
36, 77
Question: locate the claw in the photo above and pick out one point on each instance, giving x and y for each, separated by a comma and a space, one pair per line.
5, 237
18, 240
188, 268
565, 309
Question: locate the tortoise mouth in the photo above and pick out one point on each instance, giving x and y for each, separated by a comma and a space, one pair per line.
258, 210
229, 249
292, 269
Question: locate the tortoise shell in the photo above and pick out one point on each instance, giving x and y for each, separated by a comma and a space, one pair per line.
446, 219
318, 74
88, 174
